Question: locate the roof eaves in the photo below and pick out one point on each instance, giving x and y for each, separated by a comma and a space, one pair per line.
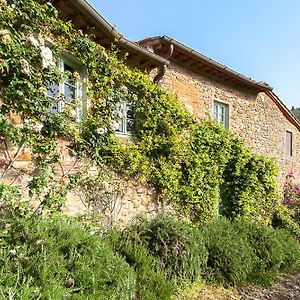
287, 113
99, 21
261, 85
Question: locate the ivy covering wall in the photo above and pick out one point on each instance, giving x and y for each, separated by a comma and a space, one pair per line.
203, 169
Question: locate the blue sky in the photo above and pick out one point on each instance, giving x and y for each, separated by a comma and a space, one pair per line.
260, 39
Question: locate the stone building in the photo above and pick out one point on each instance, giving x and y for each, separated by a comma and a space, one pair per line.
248, 108
207, 89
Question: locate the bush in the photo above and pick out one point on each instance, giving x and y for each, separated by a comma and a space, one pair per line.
230, 257
152, 282
291, 251
57, 259
267, 248
249, 189
176, 244
283, 219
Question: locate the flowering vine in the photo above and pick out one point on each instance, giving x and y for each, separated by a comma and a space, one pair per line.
195, 166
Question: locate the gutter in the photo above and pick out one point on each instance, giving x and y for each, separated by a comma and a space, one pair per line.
198, 56
217, 65
100, 22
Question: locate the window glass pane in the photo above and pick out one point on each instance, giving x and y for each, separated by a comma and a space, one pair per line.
70, 93
288, 143
120, 118
126, 115
221, 113
53, 90
215, 111
66, 91
129, 125
70, 78
130, 116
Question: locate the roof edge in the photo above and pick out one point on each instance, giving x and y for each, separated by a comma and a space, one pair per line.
98, 21
198, 56
286, 112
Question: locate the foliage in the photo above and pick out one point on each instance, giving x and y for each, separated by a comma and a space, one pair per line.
291, 196
193, 165
249, 189
291, 192
283, 218
296, 112
230, 258
57, 259
177, 245
152, 281
269, 251
241, 252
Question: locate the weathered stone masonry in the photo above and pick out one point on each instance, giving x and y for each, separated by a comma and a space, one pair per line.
254, 117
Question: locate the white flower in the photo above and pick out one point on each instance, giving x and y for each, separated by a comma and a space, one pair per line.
114, 125
5, 36
39, 242
38, 127
189, 108
13, 252
73, 113
47, 57
102, 101
135, 97
101, 131
120, 113
33, 41
124, 89
25, 66
4, 32
42, 41
43, 90
105, 185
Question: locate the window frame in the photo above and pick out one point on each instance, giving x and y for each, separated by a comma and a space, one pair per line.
289, 143
225, 106
80, 86
122, 130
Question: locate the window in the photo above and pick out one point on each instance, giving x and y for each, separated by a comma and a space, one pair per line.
221, 113
126, 122
70, 91
289, 143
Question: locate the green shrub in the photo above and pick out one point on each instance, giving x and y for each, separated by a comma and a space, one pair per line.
267, 248
59, 259
276, 250
283, 218
178, 246
152, 282
249, 189
291, 251
230, 257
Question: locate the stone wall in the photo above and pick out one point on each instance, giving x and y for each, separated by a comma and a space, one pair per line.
254, 117
112, 198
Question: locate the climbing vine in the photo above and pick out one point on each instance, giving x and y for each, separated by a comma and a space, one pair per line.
193, 165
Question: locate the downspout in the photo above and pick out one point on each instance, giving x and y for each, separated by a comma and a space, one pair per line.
163, 68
